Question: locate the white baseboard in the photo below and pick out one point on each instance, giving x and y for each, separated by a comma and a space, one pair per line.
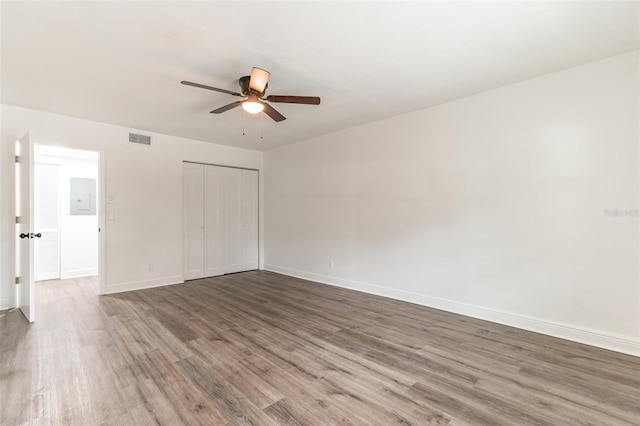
140, 285
48, 276
77, 273
596, 338
4, 304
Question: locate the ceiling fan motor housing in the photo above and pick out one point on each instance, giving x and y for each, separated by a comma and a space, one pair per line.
244, 86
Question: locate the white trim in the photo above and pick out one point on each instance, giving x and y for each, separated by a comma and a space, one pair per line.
587, 336
140, 285
102, 225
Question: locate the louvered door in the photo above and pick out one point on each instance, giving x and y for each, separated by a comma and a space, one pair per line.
47, 221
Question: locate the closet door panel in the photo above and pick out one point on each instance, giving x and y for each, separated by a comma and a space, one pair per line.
193, 221
233, 219
214, 245
249, 220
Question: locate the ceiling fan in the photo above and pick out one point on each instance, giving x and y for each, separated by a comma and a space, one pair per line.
253, 88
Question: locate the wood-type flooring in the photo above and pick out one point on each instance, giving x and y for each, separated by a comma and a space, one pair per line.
266, 349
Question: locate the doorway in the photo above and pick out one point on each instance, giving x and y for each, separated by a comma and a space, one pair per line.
70, 183
65, 212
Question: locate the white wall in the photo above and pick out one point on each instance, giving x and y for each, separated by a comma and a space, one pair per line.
492, 206
7, 226
144, 182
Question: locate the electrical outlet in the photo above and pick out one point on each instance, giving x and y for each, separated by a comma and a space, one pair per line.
331, 264
150, 267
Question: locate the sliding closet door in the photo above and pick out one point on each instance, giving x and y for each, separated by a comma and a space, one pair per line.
220, 220
233, 215
249, 220
193, 221
214, 246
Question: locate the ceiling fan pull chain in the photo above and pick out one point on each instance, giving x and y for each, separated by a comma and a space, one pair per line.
244, 115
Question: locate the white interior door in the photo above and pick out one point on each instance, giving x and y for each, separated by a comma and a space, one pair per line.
193, 221
214, 245
233, 218
47, 221
249, 220
26, 235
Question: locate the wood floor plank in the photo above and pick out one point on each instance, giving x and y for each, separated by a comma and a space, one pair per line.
286, 412
397, 404
251, 385
262, 348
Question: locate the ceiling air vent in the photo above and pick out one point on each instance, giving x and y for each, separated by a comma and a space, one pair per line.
142, 139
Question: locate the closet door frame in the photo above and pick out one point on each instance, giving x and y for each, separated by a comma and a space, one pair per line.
258, 206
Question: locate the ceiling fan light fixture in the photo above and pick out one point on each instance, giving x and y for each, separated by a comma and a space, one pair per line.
259, 79
252, 105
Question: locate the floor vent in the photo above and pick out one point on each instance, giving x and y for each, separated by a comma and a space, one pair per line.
142, 139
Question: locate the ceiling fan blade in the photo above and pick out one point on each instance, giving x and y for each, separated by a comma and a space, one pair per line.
308, 100
226, 107
202, 86
259, 79
271, 112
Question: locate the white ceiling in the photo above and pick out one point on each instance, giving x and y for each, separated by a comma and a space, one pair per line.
121, 62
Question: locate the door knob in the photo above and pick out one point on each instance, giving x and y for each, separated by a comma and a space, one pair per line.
31, 235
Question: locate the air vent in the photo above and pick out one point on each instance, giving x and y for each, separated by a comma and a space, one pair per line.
142, 139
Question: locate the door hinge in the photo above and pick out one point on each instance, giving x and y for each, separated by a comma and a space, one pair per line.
17, 158
18, 219
17, 280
